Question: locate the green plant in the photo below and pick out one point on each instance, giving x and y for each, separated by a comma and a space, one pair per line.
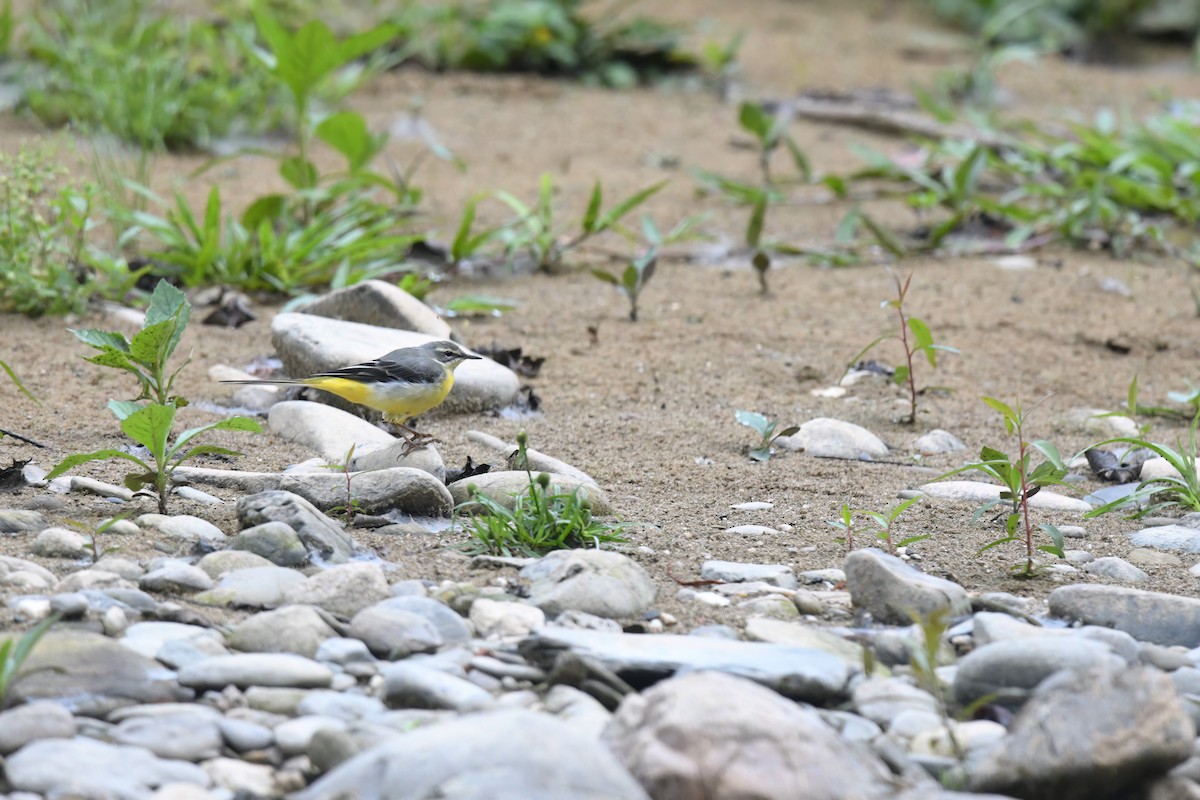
538, 521
639, 271
914, 337
884, 521
924, 660
15, 651
552, 37
150, 425
765, 428
21, 388
1181, 490
47, 265
1019, 482
154, 79
94, 535
535, 233
845, 525
352, 505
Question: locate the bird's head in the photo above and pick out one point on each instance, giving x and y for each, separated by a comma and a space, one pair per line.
448, 353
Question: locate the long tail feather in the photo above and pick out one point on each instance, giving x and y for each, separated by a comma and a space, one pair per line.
281, 381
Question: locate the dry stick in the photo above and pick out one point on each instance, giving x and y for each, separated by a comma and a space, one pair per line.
22, 438
879, 118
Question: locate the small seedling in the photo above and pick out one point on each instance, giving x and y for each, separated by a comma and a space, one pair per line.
1168, 491
1019, 483
845, 525
15, 651
914, 337
639, 272
21, 388
538, 522
351, 506
885, 521
765, 428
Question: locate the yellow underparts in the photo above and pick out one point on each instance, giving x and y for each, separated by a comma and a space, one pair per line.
397, 401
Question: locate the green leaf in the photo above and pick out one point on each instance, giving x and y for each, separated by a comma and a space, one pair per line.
754, 119
102, 339
1045, 474
1005, 540
758, 215
346, 132
900, 376
884, 238
150, 426
1010, 416
167, 302
754, 420
900, 509
923, 339
480, 304
13, 377
123, 408
299, 172
630, 279
117, 359
76, 459
592, 214
615, 214
149, 345
228, 424
267, 208
761, 453
912, 539
459, 246
1131, 401
1050, 452
799, 159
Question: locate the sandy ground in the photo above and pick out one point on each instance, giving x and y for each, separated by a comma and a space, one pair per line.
648, 407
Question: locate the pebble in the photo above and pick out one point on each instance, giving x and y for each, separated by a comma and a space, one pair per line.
84, 767
832, 438
892, 591
343, 590
176, 578
1154, 617
750, 530
495, 619
733, 572
395, 633
1168, 537
599, 582
401, 489
977, 492
29, 723
60, 543
182, 526
320, 534
938, 442
413, 686
1118, 569
298, 629
275, 541
254, 587
255, 669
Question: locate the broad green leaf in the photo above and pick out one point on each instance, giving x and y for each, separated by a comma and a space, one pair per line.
755, 120
630, 280
900, 376
1005, 540
991, 454
1045, 474
480, 304
299, 172
1010, 416
923, 339
112, 357
149, 345
1050, 452
789, 431
166, 302
266, 209
883, 237
754, 420
102, 339
607, 277
122, 409
150, 426
75, 460
347, 133
761, 453
900, 509
228, 424
905, 542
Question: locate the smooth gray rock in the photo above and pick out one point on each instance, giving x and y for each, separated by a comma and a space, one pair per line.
90, 674
504, 486
243, 736
800, 673
397, 454
295, 629
1168, 537
41, 720
995, 627
498, 618
320, 534
329, 431
394, 633
1118, 569
1092, 734
1155, 617
276, 541
14, 520
452, 627
938, 441
598, 582
148, 638
403, 489
309, 344
256, 669
219, 562
255, 587
182, 526
344, 651
87, 769
293, 736
238, 480
60, 543
414, 686
578, 709
515, 755
381, 304
707, 734
176, 578
340, 705
187, 736
979, 492
734, 572
241, 779
833, 438
11, 564
1009, 671
892, 591
343, 590
537, 460
881, 700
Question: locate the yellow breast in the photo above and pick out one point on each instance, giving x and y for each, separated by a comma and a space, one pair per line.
398, 401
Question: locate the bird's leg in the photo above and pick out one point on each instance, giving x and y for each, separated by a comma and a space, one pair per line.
413, 439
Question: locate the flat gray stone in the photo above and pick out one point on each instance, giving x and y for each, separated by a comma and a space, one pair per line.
381, 304
90, 674
801, 673
497, 618
320, 534
148, 638
86, 768
833, 438
414, 686
976, 492
537, 460
452, 627
219, 562
60, 543
504, 486
186, 735
1118, 569
255, 587
295, 629
1155, 617
256, 669
409, 491
275, 541
1168, 537
734, 572
181, 526
1009, 671
882, 700
16, 520
515, 755
707, 734
176, 578
1090, 735
892, 591
395, 633
343, 590
397, 454
40, 720
598, 582
309, 344
239, 480
937, 442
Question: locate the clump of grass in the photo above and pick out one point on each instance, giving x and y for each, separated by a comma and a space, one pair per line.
15, 651
1167, 492
765, 427
538, 521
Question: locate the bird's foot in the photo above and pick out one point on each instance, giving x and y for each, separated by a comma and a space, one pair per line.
415, 441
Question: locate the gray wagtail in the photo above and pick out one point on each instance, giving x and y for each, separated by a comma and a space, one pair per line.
402, 384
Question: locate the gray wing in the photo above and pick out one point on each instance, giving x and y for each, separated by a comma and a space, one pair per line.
383, 370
